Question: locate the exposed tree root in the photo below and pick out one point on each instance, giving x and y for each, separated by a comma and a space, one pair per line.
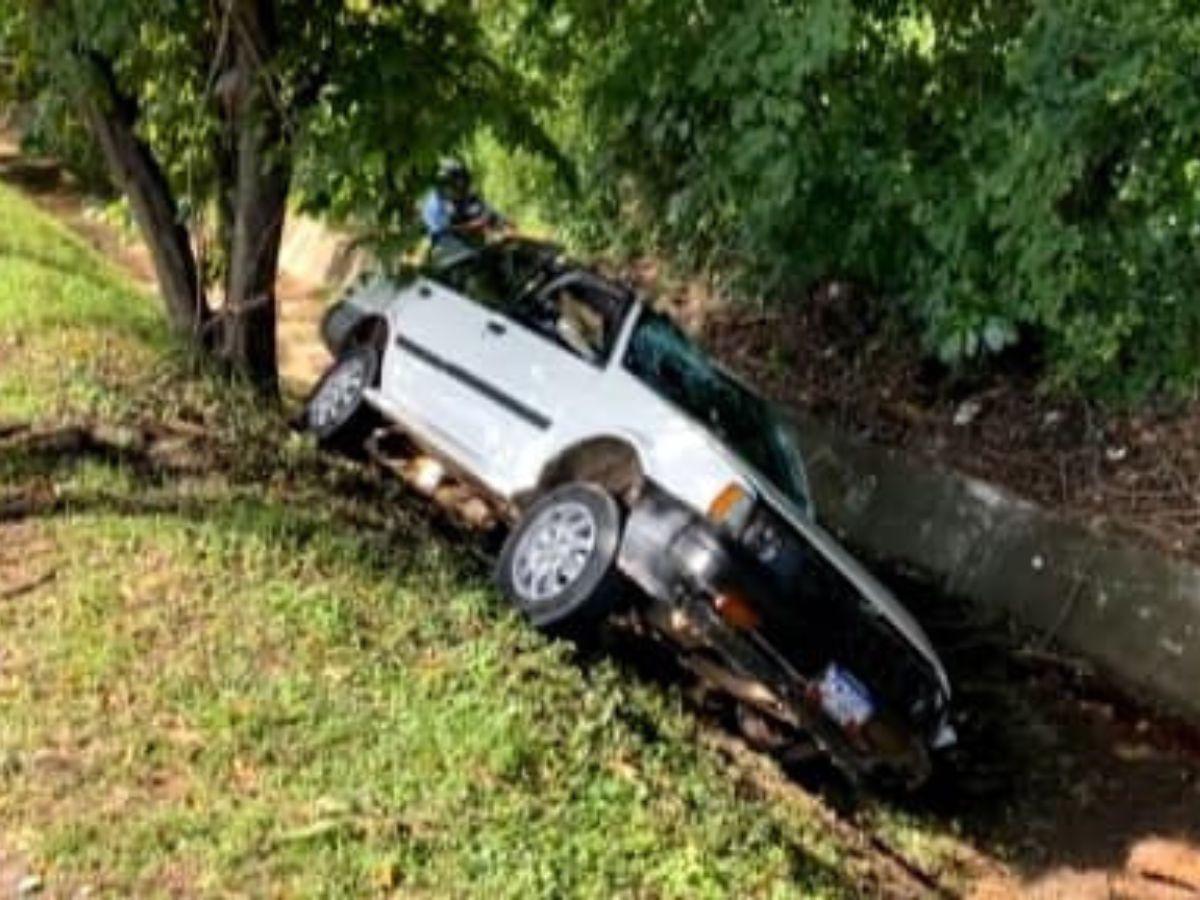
158, 448
96, 441
28, 586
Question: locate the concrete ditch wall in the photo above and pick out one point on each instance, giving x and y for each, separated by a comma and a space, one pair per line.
1133, 611
314, 254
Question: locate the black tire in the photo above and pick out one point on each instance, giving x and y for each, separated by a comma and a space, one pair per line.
574, 606
345, 425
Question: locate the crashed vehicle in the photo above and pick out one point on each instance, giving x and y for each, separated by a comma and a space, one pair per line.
624, 456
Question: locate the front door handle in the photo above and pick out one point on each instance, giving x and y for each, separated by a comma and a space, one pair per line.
497, 328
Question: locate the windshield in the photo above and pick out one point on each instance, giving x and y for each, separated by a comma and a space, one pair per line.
661, 355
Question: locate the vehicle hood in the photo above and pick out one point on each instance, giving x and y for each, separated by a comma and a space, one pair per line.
880, 598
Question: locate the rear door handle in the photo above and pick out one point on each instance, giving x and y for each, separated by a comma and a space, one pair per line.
496, 328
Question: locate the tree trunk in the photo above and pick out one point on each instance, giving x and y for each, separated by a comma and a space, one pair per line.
111, 117
261, 181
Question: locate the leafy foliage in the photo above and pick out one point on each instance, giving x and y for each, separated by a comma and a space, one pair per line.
412, 81
1009, 172
370, 94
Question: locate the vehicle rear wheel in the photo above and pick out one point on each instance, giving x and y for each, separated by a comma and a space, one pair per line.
337, 413
558, 565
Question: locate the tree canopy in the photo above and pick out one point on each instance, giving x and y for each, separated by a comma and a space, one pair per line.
213, 117
1004, 172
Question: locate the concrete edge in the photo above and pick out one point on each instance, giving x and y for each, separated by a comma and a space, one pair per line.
313, 253
1136, 613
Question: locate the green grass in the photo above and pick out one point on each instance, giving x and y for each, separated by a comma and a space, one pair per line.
240, 668
73, 331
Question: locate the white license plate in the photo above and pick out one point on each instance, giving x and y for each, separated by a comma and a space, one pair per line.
844, 698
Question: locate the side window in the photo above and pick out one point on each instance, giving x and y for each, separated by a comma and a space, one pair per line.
479, 277
580, 318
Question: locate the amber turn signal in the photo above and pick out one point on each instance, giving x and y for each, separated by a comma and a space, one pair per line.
732, 506
737, 611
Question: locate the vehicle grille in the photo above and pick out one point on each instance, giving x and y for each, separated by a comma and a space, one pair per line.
821, 617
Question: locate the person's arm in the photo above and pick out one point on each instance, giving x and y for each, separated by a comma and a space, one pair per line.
494, 218
435, 215
482, 218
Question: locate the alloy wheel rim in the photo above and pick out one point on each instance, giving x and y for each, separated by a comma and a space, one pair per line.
554, 552
339, 394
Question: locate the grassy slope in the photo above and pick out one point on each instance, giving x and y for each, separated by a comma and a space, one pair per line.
69, 324
242, 679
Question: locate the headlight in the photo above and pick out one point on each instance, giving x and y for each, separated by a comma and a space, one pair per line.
765, 536
774, 542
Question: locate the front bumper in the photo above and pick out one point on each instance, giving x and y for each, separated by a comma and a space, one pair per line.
814, 619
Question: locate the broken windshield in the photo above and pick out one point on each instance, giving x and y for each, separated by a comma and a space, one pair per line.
663, 357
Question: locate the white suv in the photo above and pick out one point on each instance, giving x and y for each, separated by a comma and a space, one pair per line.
624, 455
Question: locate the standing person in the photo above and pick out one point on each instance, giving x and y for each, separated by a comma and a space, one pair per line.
454, 216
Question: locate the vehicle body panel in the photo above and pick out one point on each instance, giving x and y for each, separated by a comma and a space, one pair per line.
438, 342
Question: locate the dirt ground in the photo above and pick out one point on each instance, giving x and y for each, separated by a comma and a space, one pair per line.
1076, 789
1063, 787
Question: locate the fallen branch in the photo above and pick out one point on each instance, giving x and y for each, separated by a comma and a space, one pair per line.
113, 444
28, 586
8, 429
1046, 658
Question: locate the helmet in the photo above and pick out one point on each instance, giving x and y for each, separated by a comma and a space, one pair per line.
454, 175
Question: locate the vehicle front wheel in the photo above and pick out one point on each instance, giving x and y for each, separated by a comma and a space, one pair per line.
337, 413
559, 563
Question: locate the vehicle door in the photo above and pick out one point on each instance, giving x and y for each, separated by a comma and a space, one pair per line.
548, 356
430, 372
